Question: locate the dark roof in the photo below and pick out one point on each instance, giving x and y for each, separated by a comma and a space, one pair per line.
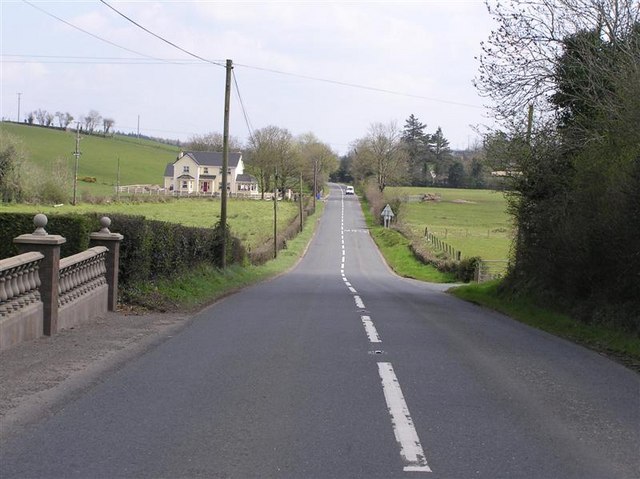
212, 158
168, 170
246, 179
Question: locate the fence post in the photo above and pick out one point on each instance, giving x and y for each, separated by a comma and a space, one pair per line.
112, 242
49, 246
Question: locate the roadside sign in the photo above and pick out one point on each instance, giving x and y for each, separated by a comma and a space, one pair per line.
387, 214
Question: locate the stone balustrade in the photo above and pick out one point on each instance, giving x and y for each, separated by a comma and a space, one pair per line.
40, 293
82, 273
19, 282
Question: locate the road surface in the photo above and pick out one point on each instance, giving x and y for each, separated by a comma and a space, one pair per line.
340, 369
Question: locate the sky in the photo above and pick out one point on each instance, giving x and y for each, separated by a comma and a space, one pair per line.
329, 68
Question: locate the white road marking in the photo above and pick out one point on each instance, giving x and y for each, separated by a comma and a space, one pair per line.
352, 289
359, 302
370, 329
406, 435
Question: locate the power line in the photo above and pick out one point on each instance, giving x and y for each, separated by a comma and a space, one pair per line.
217, 63
361, 87
87, 32
94, 59
244, 111
159, 37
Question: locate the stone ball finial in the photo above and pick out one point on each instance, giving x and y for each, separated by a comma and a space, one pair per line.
105, 222
40, 221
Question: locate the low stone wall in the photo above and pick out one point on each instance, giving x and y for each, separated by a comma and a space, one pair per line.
20, 305
42, 294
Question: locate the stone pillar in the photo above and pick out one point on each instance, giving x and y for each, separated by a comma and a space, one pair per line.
49, 246
112, 241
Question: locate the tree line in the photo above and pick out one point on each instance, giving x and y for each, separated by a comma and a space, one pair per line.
278, 159
565, 78
389, 156
89, 122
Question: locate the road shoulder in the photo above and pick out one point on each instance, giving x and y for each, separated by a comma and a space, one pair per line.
38, 377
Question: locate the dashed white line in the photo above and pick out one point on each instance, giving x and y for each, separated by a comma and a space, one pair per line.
403, 429
370, 329
352, 289
359, 302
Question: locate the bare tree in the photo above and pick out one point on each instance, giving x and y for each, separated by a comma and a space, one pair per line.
381, 154
212, 142
521, 58
271, 149
60, 117
318, 161
107, 124
41, 116
66, 119
91, 120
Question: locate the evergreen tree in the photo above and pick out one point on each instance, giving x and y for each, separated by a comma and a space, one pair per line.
440, 152
415, 142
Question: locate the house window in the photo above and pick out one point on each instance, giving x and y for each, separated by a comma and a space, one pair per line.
205, 171
185, 169
185, 185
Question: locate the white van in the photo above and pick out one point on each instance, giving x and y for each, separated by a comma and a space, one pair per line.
349, 191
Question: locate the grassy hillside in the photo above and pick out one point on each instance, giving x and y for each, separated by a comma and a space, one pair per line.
472, 221
141, 161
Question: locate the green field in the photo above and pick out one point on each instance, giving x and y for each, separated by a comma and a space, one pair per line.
141, 161
250, 220
472, 221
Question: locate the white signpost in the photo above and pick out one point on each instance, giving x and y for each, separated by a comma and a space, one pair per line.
387, 214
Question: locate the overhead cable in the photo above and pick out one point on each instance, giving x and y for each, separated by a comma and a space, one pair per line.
159, 37
87, 32
244, 111
355, 85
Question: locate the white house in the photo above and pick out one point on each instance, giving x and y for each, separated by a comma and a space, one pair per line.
200, 172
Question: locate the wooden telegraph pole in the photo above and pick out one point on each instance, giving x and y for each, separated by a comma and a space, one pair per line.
75, 172
275, 214
225, 165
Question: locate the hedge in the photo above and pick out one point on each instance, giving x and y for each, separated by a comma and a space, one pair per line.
150, 249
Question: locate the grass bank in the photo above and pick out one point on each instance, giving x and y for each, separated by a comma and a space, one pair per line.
395, 249
619, 345
195, 289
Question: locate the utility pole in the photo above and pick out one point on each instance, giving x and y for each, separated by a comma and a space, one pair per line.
19, 107
77, 155
301, 211
315, 181
118, 181
225, 164
275, 215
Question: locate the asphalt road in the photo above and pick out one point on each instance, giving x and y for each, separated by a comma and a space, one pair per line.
339, 369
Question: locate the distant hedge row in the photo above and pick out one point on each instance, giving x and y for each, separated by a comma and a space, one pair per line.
264, 252
150, 249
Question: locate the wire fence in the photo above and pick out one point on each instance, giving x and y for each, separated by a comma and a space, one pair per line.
488, 270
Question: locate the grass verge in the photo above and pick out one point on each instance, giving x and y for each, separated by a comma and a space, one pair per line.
202, 286
395, 249
620, 346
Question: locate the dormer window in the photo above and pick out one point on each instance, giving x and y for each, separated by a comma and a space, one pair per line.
185, 169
